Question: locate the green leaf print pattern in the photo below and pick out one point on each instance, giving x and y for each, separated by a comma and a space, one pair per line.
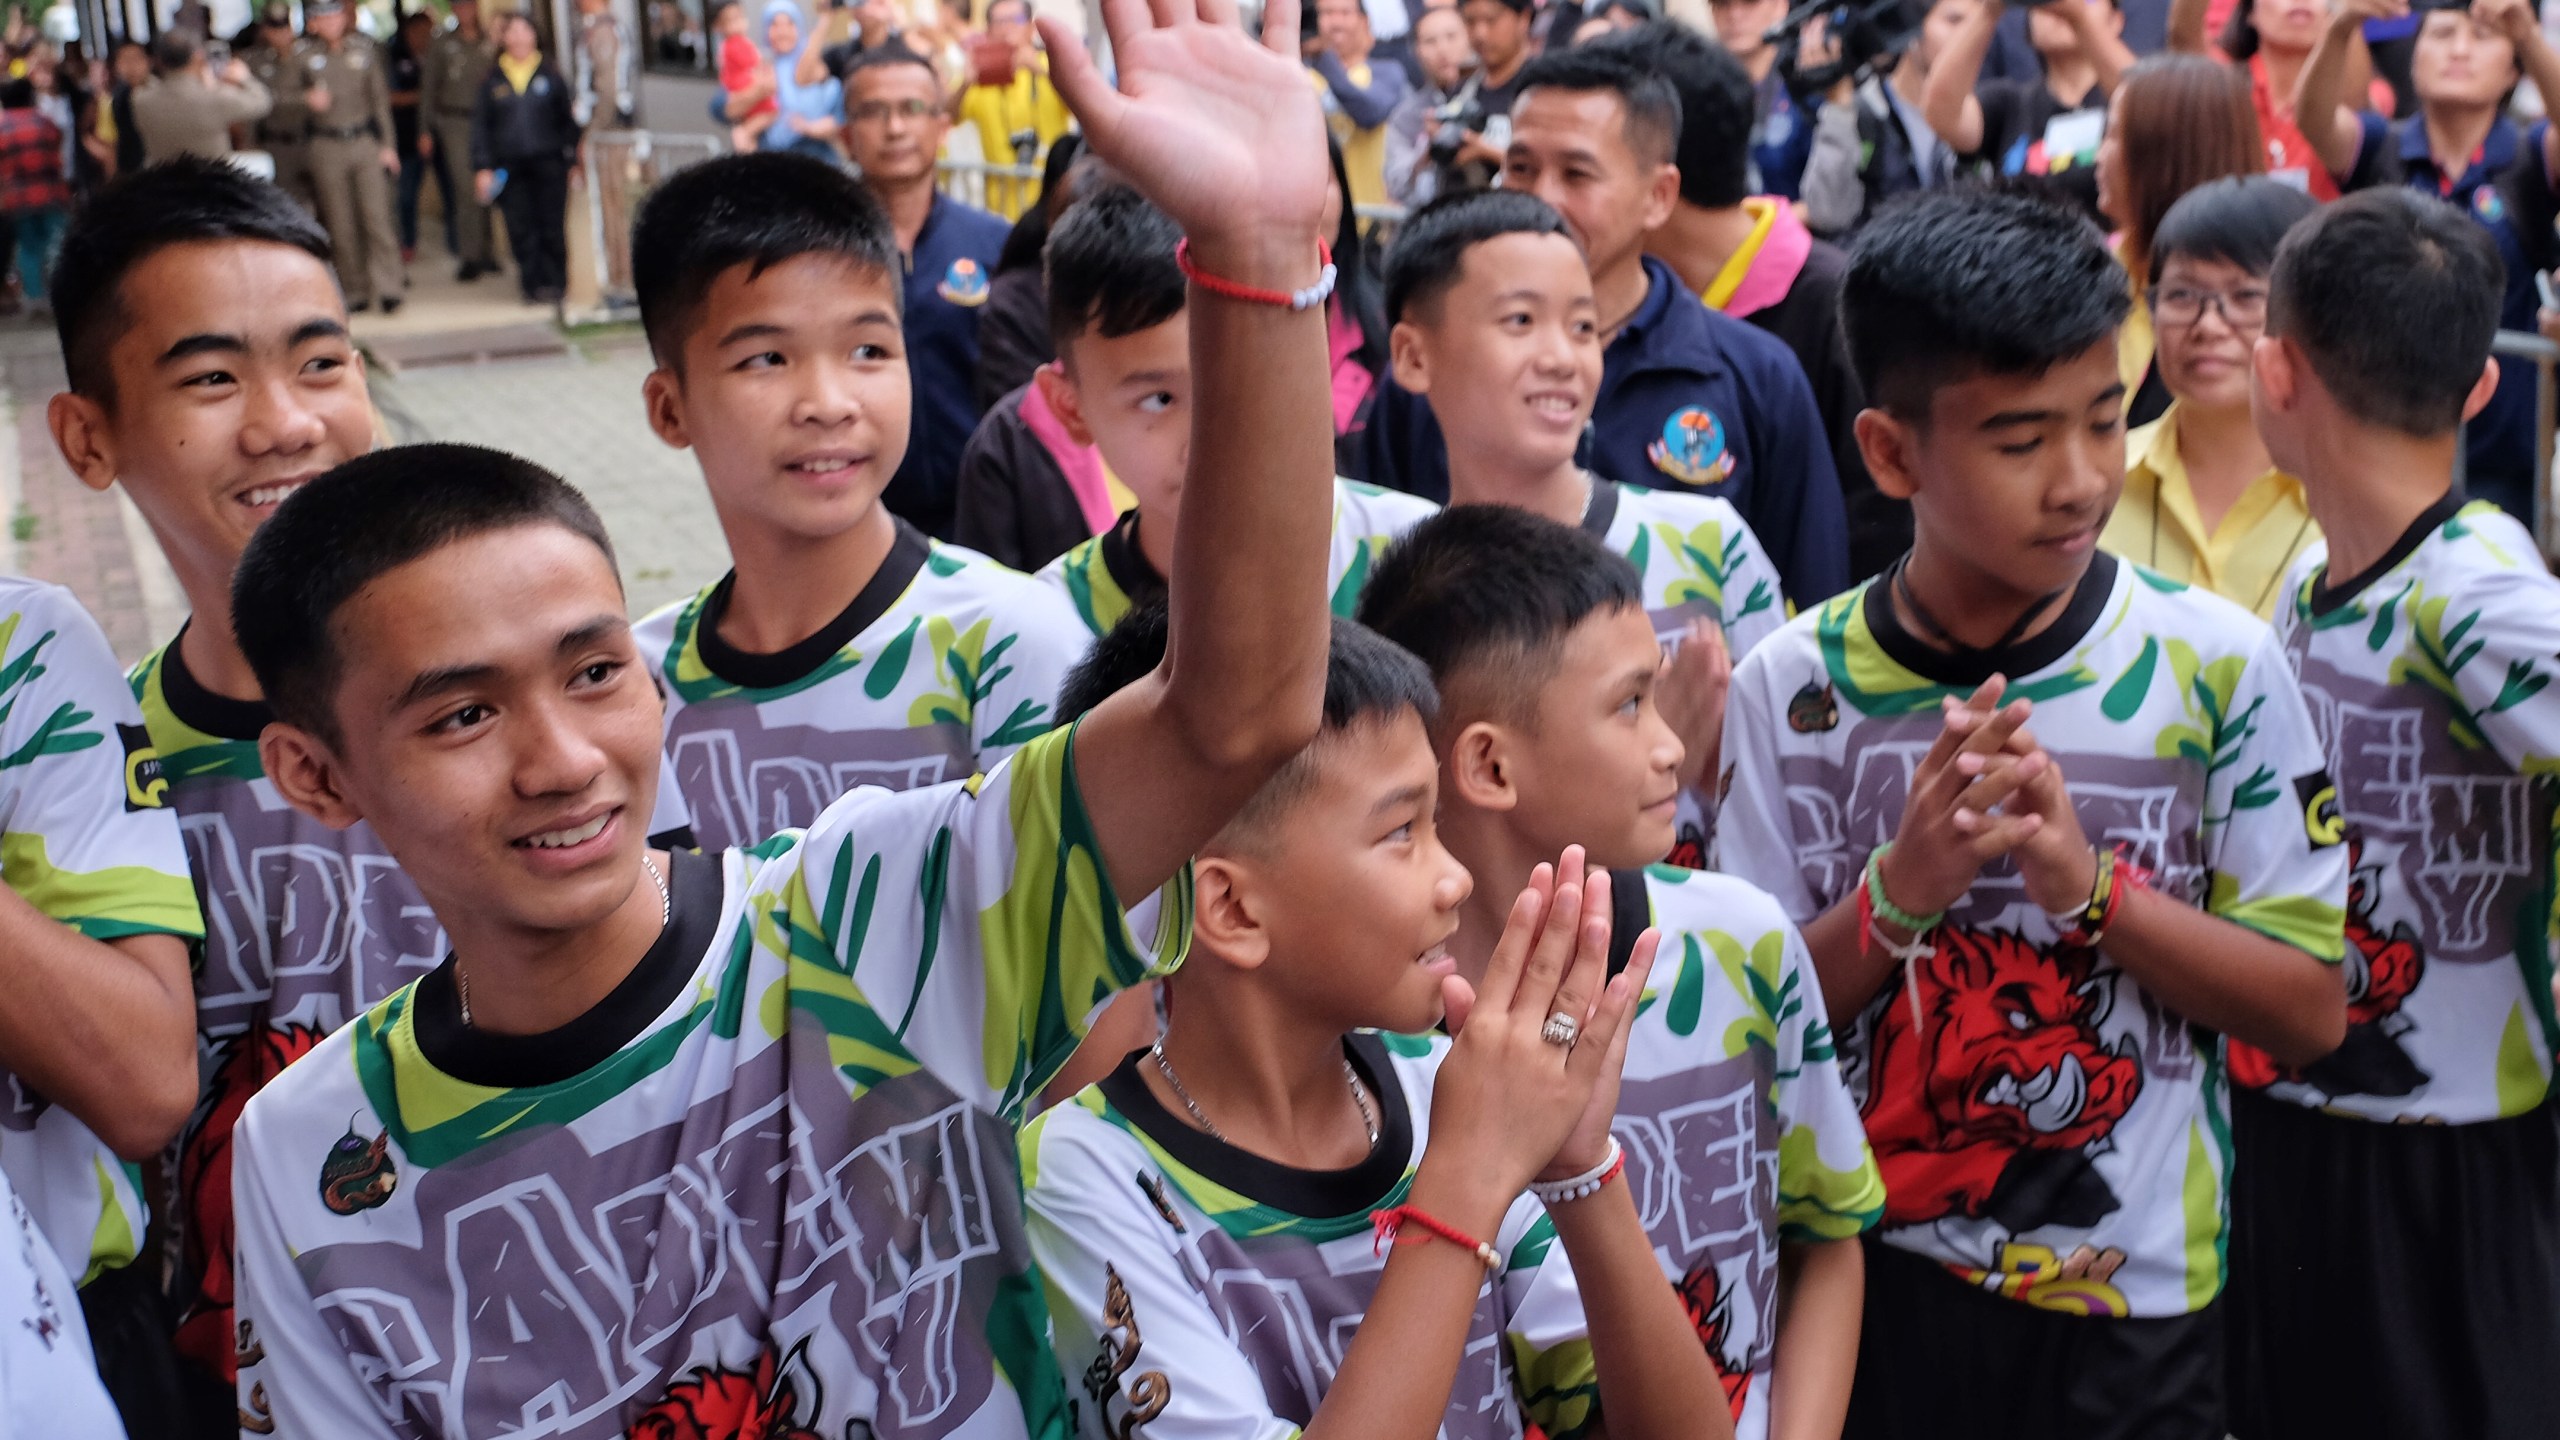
1707, 557
2434, 655
60, 732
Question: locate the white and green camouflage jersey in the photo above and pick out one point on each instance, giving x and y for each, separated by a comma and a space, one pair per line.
944, 664
1698, 558
768, 1186
2046, 1128
1108, 576
1737, 1127
1203, 1293
2430, 682
306, 927
85, 840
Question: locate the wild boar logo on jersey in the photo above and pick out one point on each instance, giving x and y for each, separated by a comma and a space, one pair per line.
1991, 1109
1710, 1308
716, 1403
357, 1174
2383, 969
249, 1061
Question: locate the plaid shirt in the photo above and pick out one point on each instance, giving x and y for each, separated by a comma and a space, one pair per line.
30, 163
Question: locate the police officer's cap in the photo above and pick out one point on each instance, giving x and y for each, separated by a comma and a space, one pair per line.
277, 13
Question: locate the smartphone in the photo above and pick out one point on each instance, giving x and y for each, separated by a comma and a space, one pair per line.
990, 61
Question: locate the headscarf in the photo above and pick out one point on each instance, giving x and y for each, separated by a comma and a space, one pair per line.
822, 101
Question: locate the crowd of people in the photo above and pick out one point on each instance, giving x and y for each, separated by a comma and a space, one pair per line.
1583, 813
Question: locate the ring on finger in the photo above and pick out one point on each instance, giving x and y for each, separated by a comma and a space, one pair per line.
1561, 1029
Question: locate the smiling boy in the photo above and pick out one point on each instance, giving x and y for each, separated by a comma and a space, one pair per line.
1732, 1112
1122, 384
844, 646
2038, 931
669, 1137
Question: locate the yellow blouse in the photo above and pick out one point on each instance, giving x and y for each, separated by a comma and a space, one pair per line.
2156, 524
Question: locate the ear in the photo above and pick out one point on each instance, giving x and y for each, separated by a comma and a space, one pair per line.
1890, 446
1226, 912
82, 434
2481, 389
1661, 197
1065, 400
662, 395
1407, 359
1479, 768
306, 774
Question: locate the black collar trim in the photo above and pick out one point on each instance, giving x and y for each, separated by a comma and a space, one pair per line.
752, 671
1963, 670
2328, 596
198, 708
514, 1062
1601, 510
1128, 565
1314, 1194
1630, 911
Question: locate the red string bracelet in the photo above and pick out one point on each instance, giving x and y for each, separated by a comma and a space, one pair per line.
1307, 299
1389, 1224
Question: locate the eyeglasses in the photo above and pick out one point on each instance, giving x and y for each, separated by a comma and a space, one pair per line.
2240, 309
873, 112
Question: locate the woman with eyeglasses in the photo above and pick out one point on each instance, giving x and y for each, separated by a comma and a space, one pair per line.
2202, 502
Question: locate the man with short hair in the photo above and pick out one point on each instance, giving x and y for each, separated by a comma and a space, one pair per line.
1441, 54
190, 109
600, 69
894, 124
352, 161
457, 63
1499, 32
1358, 97
285, 134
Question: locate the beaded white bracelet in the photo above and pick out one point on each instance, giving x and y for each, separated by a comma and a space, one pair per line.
1584, 1185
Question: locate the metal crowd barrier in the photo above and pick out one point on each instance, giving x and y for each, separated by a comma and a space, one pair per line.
2544, 356
623, 166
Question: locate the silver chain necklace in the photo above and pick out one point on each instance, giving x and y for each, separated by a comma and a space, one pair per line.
1359, 1097
666, 912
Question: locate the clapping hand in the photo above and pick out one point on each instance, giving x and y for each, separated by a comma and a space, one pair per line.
1513, 1102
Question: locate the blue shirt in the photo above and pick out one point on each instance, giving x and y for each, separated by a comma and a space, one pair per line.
2506, 188
1781, 138
948, 273
1690, 399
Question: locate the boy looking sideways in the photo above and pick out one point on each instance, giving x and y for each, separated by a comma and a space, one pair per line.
1206, 1218
210, 376
1122, 384
2037, 930
97, 1059
844, 647
2425, 640
1732, 1110
1495, 328
749, 1114
1688, 398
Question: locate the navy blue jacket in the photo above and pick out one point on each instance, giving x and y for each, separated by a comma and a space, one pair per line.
947, 283
1689, 400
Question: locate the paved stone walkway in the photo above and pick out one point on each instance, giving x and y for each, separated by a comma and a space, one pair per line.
580, 415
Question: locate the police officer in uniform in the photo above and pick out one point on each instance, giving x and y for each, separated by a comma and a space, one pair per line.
285, 133
347, 89
457, 64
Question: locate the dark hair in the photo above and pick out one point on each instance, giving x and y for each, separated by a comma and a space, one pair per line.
371, 515
2393, 297
1432, 247
510, 17
1356, 287
880, 57
1030, 234
1717, 105
176, 49
1485, 595
1366, 678
2181, 120
1652, 106
1950, 284
1110, 267
751, 210
2239, 220
18, 94
127, 222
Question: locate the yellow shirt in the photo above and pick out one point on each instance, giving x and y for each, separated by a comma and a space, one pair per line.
999, 112
519, 73
1364, 152
2156, 524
